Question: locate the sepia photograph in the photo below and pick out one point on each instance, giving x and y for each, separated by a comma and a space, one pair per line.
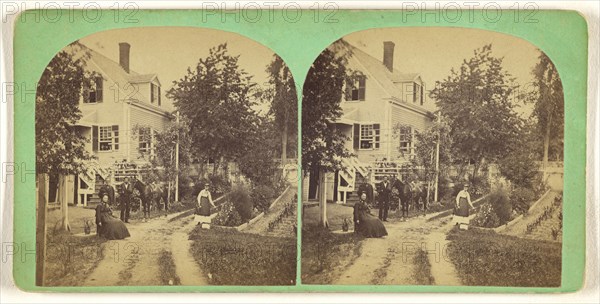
166, 156
432, 156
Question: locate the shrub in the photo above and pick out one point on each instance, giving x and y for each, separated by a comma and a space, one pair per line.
500, 202
539, 186
241, 200
228, 216
521, 199
486, 217
480, 185
262, 196
520, 168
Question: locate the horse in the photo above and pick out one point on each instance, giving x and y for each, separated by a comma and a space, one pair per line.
152, 197
401, 192
418, 197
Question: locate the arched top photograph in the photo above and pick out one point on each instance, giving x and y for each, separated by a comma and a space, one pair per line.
179, 140
437, 134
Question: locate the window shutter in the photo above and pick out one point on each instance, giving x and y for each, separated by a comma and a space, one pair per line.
99, 88
86, 92
422, 99
415, 92
151, 93
356, 139
115, 134
94, 138
376, 136
362, 81
348, 91
159, 96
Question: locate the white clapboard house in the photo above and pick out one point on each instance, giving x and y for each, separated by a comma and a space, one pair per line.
379, 100
119, 102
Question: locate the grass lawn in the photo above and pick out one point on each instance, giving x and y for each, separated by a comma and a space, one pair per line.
168, 275
230, 257
325, 254
484, 258
70, 259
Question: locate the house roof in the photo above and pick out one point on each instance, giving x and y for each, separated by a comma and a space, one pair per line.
360, 60
143, 78
116, 73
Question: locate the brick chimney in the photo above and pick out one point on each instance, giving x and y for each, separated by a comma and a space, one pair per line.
388, 55
124, 55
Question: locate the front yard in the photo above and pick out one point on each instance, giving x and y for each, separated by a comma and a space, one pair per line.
229, 257
484, 258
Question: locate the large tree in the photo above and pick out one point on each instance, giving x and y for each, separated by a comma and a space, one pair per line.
322, 143
549, 110
216, 96
283, 103
60, 148
476, 102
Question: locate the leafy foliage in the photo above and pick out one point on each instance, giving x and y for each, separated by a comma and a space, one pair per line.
522, 198
476, 103
217, 98
259, 164
501, 205
228, 215
549, 109
60, 148
240, 197
486, 217
283, 103
262, 196
323, 144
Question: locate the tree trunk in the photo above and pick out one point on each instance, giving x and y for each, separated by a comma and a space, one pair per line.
41, 203
284, 140
64, 206
546, 146
323, 199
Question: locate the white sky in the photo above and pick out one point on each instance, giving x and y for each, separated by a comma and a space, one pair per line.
169, 51
429, 51
433, 51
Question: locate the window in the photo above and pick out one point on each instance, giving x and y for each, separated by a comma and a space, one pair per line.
145, 138
369, 137
356, 91
105, 138
406, 136
154, 94
94, 94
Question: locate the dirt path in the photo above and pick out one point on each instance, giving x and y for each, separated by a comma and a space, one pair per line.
134, 261
390, 260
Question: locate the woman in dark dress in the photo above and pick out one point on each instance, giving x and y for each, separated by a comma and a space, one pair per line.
365, 223
109, 226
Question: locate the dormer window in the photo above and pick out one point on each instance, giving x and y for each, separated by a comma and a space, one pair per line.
155, 94
357, 91
94, 94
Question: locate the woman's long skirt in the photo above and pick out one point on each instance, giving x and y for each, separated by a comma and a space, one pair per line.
463, 207
114, 229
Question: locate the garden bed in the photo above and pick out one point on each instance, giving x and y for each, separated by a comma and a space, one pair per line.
230, 257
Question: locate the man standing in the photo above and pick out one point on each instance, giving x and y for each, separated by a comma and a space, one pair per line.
384, 190
125, 193
108, 190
